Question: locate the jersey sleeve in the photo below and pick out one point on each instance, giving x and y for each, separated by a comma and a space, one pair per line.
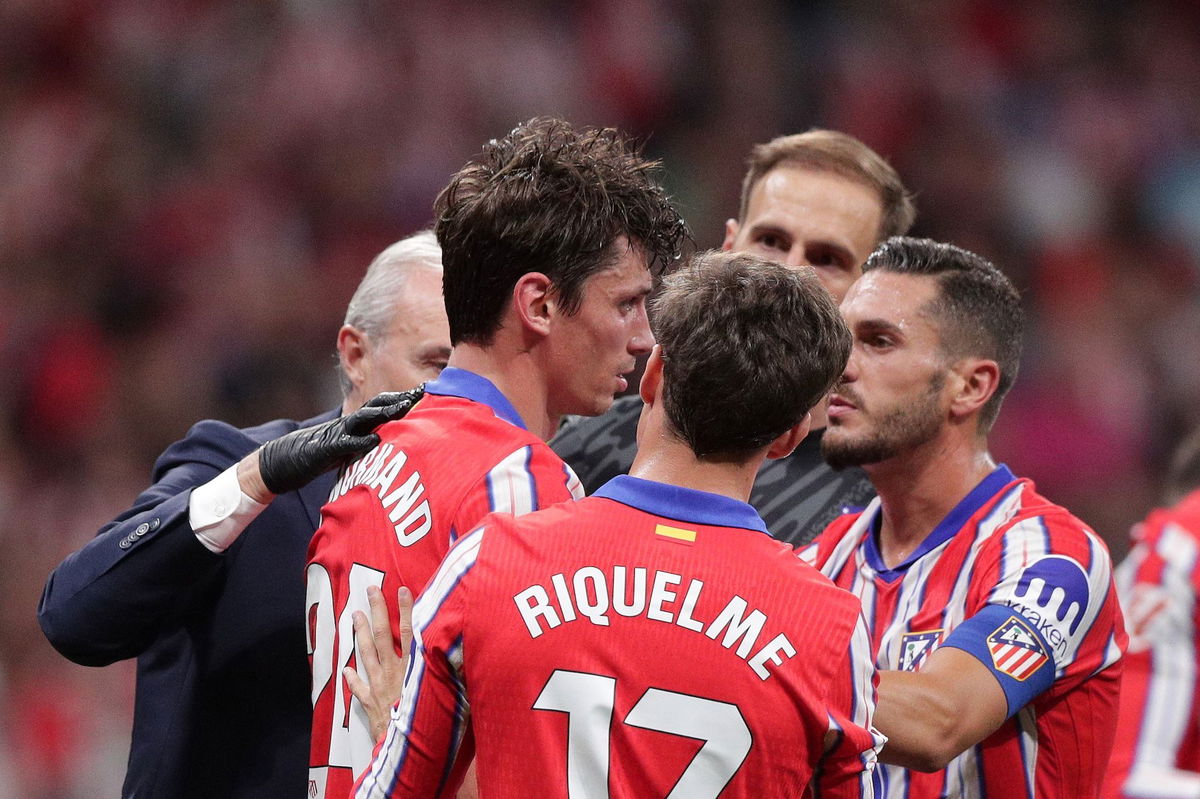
424, 752
529, 478
848, 768
146, 569
810, 553
1157, 723
818, 551
1046, 612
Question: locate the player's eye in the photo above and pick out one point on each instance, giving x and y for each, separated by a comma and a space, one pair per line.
630, 304
823, 256
773, 241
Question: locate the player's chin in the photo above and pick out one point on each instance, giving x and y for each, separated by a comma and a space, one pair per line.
603, 403
593, 404
837, 436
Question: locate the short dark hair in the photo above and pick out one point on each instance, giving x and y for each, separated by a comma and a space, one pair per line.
978, 307
546, 198
841, 154
748, 346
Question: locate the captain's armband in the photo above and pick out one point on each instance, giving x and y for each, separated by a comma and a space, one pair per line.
1009, 646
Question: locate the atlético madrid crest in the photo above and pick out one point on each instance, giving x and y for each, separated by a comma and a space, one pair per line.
1016, 651
915, 647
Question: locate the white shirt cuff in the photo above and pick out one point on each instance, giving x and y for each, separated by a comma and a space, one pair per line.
219, 511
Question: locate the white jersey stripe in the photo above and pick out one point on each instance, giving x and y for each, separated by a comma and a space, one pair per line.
1099, 576
1165, 719
1000, 514
1161, 783
511, 485
912, 586
574, 484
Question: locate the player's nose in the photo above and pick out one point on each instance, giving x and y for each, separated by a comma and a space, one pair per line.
850, 373
642, 339
797, 256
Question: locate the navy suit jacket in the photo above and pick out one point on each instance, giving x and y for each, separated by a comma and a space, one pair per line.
222, 706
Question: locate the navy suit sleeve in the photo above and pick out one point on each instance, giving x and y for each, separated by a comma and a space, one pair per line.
145, 570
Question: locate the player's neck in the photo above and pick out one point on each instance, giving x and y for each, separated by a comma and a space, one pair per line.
518, 378
665, 459
919, 488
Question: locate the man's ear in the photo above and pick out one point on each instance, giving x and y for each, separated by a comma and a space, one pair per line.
354, 352
652, 376
534, 303
977, 379
731, 230
790, 439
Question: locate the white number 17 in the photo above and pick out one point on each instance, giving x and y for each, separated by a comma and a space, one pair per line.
588, 701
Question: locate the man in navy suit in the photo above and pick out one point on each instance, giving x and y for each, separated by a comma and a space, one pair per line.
202, 579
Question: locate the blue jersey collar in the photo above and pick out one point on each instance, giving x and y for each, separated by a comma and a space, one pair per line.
988, 488
455, 382
682, 504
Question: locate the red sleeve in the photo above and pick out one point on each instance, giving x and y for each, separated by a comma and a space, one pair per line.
1157, 726
1056, 573
816, 552
847, 770
529, 478
428, 744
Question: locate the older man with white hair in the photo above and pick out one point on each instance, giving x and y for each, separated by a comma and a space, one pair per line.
202, 578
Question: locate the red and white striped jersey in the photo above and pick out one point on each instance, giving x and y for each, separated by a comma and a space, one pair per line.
1031, 586
460, 454
650, 640
1158, 729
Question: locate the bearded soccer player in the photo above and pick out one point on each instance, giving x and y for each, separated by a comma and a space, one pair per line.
819, 198
993, 608
652, 639
1157, 752
549, 238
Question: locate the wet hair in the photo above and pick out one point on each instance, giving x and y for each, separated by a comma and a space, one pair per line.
748, 347
551, 199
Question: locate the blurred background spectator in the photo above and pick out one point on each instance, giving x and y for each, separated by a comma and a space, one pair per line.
234, 166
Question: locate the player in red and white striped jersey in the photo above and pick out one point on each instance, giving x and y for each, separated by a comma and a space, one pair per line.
392, 516
548, 240
652, 640
993, 608
1157, 754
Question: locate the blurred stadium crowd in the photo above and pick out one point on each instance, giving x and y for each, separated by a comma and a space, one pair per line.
190, 191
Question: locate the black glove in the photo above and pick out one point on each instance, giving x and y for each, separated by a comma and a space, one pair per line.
290, 462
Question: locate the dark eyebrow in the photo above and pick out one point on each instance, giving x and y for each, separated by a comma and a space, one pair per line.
843, 253
840, 250
876, 326
767, 227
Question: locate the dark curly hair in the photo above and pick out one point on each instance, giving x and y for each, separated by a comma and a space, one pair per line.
546, 198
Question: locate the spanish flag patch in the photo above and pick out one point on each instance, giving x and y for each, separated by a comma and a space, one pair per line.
678, 533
